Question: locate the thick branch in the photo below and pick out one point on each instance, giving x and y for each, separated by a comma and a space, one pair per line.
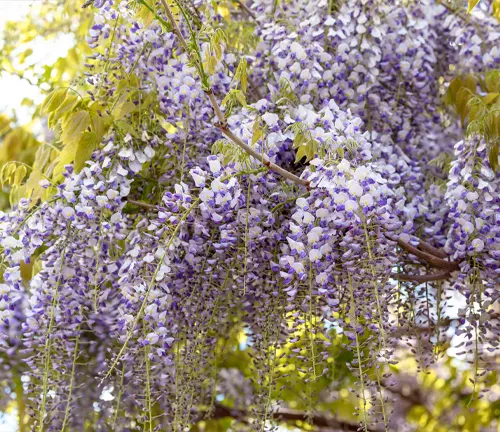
426, 247
264, 159
430, 258
445, 274
319, 420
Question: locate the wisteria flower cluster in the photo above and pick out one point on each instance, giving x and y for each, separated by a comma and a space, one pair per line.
280, 195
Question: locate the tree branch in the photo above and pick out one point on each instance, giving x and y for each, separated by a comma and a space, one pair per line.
433, 260
286, 415
426, 247
177, 31
422, 278
263, 158
243, 6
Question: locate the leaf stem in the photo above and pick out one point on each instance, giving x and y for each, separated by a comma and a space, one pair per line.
71, 384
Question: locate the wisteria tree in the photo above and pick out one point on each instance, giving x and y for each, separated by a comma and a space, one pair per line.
271, 215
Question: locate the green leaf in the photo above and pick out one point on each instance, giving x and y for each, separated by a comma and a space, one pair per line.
230, 152
66, 106
476, 108
257, 131
24, 55
84, 150
301, 153
463, 97
54, 100
244, 80
493, 156
165, 24
492, 81
73, 127
229, 102
19, 175
490, 98
470, 82
241, 98
472, 5
100, 125
123, 109
241, 74
126, 128
451, 94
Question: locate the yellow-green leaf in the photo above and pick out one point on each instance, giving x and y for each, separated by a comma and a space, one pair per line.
455, 85
100, 125
475, 108
43, 156
32, 185
14, 195
224, 12
257, 132
145, 15
472, 4
490, 98
470, 83
244, 80
85, 148
123, 109
73, 127
24, 55
496, 9
241, 74
54, 100
241, 98
301, 153
66, 156
463, 97
66, 106
493, 156
19, 175
169, 127
492, 81
4, 124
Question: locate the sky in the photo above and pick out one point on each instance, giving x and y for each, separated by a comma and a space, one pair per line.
13, 89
